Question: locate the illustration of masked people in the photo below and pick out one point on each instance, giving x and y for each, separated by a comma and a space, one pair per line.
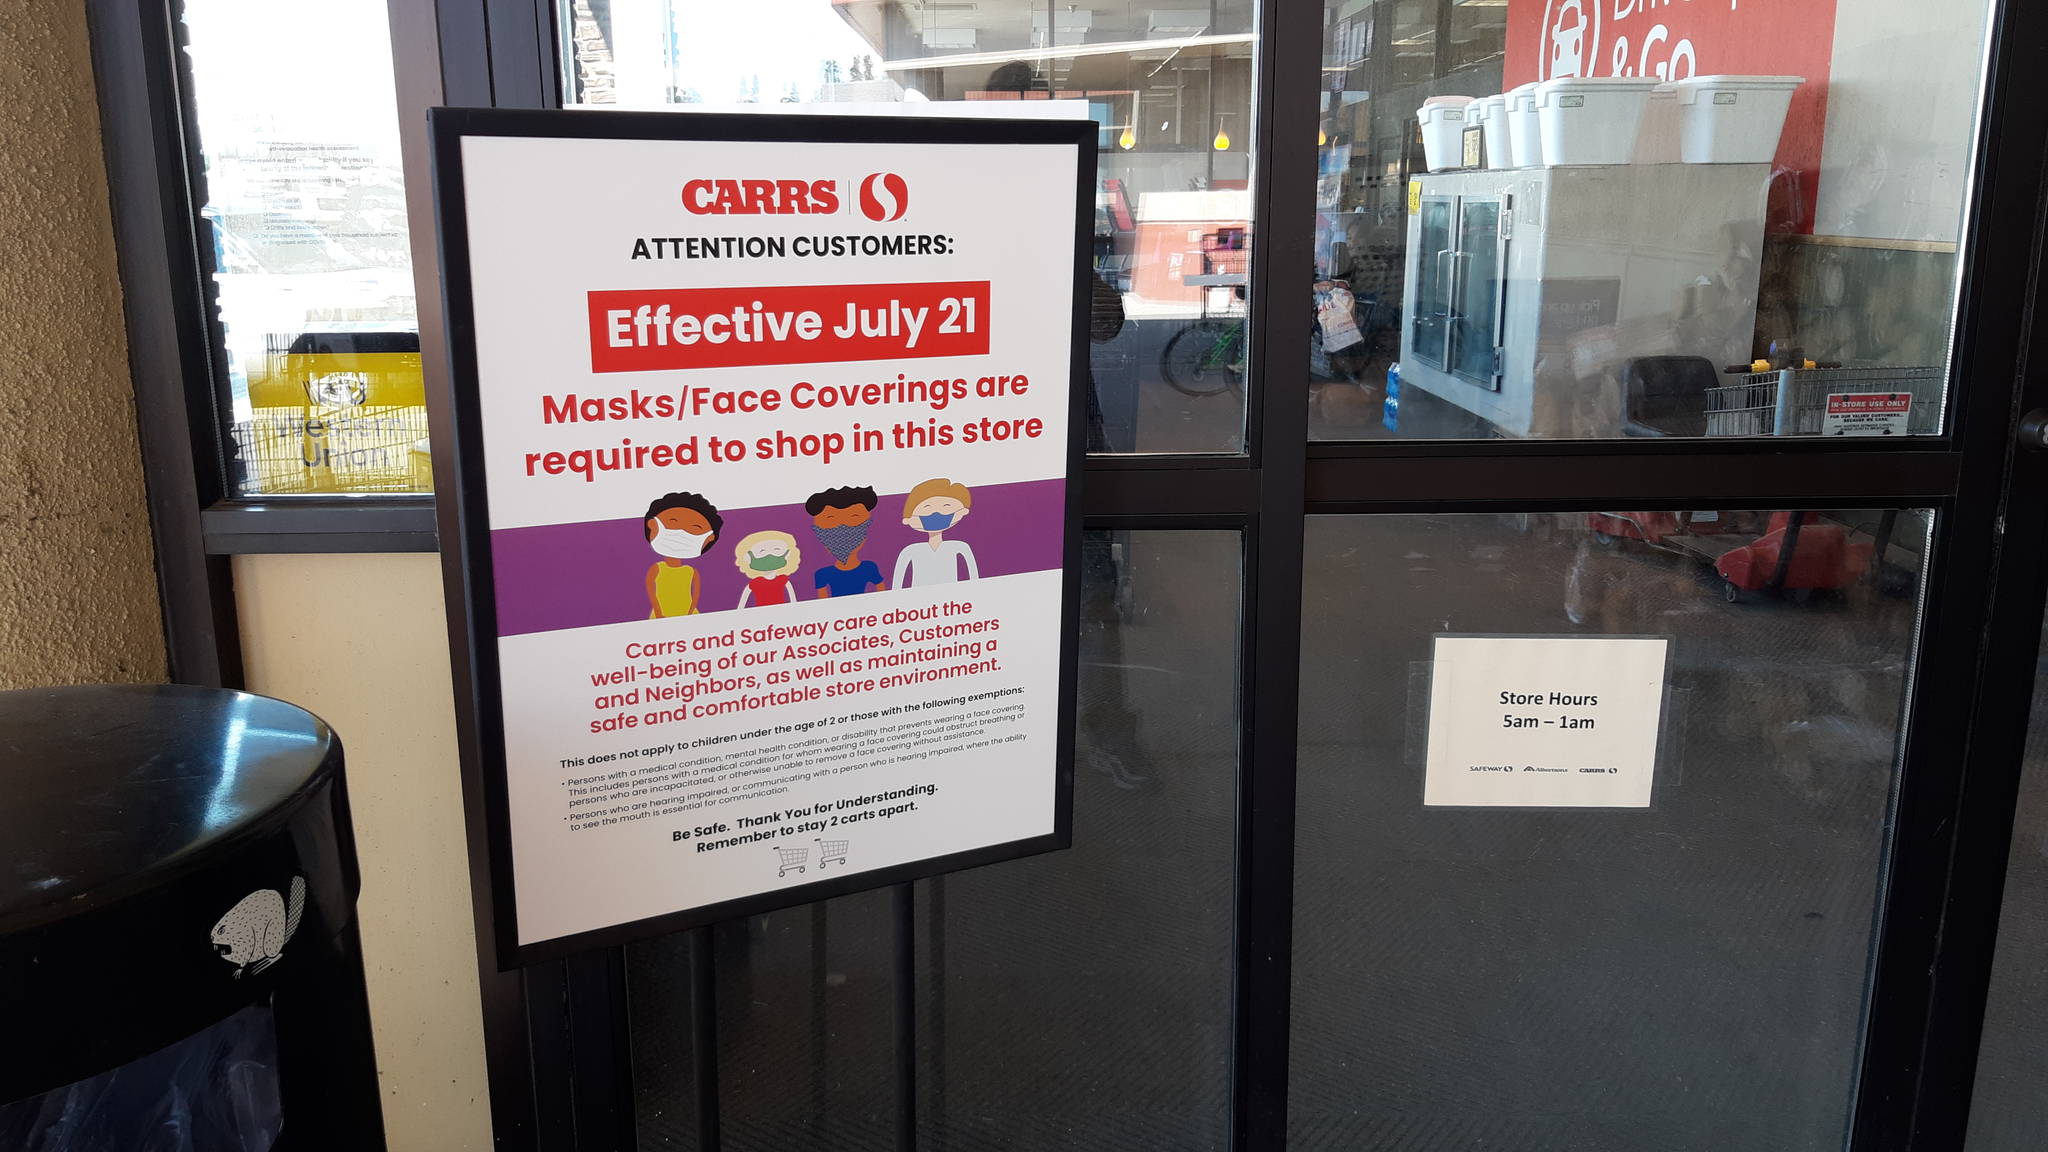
933, 508
681, 526
765, 560
840, 518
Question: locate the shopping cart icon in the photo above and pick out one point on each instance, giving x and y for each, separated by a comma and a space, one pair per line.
830, 850
792, 858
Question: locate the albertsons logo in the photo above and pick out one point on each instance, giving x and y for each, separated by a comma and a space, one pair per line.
884, 197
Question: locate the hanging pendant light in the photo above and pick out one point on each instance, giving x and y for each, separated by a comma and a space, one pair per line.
1222, 141
1128, 140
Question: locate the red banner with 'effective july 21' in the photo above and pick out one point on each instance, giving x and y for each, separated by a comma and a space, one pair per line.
651, 330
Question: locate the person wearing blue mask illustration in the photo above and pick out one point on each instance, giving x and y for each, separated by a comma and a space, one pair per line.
839, 519
934, 507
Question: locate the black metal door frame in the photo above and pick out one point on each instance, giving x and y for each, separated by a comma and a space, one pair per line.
560, 1071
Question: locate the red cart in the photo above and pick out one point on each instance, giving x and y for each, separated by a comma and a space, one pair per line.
1784, 554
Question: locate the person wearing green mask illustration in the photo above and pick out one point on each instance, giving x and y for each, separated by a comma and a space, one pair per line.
766, 559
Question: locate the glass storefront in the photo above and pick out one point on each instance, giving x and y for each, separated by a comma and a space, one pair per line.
1079, 999
303, 225
1690, 975
1748, 219
1170, 89
1707, 242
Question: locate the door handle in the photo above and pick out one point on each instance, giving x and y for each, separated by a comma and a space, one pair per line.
2034, 430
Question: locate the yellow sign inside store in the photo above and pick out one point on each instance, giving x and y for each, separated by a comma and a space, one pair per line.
335, 422
337, 380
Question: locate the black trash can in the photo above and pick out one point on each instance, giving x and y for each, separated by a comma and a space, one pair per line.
180, 968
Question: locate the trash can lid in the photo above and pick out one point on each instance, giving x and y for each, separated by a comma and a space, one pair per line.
116, 789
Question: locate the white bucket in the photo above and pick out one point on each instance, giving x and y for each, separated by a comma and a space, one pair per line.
1491, 114
1732, 119
1591, 120
1525, 127
1443, 131
1657, 140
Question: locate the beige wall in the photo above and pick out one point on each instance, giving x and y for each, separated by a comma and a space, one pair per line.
360, 641
357, 639
78, 597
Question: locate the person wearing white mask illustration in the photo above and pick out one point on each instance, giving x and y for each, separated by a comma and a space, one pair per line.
681, 526
933, 507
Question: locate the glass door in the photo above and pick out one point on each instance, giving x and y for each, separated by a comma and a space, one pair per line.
1996, 1000
1480, 262
1717, 354
2007, 1112
1756, 944
1435, 256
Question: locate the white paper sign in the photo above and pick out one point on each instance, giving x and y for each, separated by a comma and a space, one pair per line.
1544, 722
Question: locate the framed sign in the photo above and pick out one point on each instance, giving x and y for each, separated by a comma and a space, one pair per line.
768, 433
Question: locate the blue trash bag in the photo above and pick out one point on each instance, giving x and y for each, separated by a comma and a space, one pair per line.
214, 1091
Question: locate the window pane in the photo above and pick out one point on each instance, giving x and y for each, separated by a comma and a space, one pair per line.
804, 1010
305, 229
1079, 999
2007, 1113
1170, 88
1082, 999
1686, 976
1714, 220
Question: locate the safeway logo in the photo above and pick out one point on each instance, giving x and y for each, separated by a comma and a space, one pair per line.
884, 197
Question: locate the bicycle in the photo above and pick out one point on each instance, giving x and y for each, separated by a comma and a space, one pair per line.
1208, 357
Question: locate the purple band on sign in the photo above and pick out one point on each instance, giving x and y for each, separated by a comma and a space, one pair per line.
556, 576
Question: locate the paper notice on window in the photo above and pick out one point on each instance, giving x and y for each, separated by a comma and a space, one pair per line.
1544, 721
1867, 414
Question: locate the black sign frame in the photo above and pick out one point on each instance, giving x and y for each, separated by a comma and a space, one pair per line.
467, 559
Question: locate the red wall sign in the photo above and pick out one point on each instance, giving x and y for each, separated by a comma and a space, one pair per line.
1675, 39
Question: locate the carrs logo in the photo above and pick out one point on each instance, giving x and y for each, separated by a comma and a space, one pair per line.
881, 196
884, 197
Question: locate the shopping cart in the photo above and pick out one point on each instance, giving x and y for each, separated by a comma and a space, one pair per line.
318, 449
1793, 402
830, 850
1227, 251
792, 858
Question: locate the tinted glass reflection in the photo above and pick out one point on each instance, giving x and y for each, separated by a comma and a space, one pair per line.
1169, 88
1714, 220
1686, 976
